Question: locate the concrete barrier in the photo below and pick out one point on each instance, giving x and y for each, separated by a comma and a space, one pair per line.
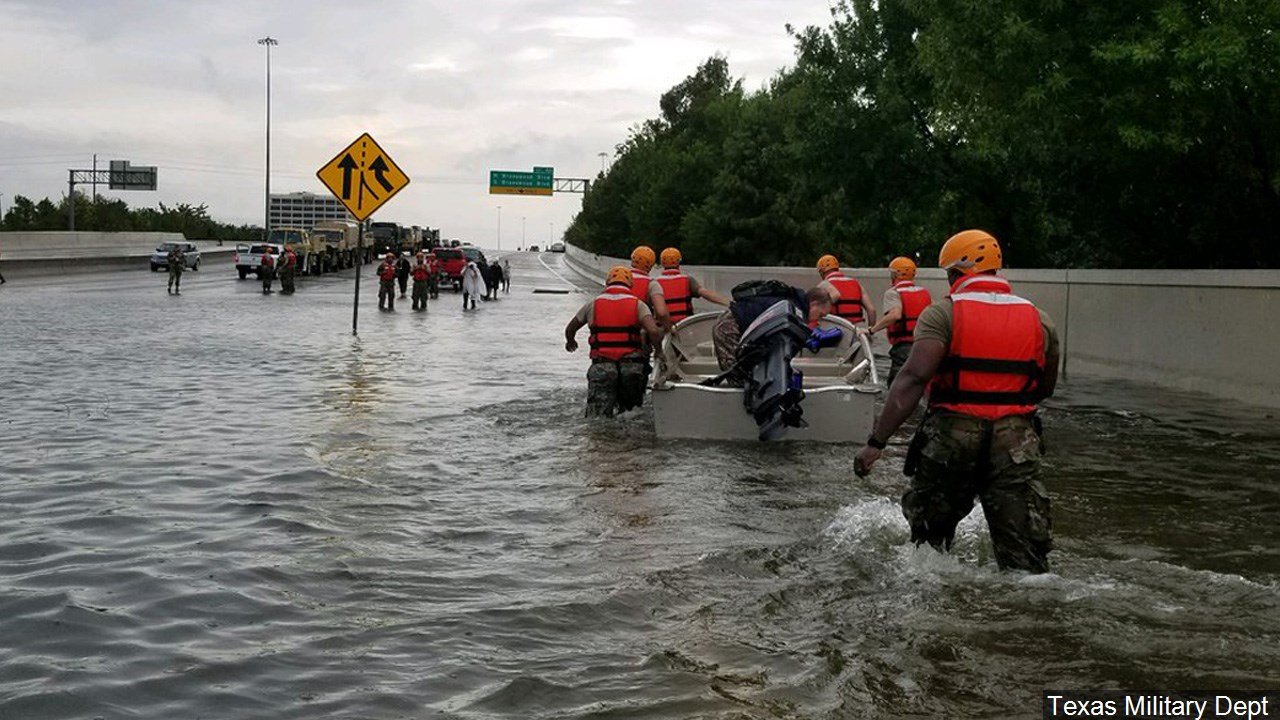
30, 254
1212, 331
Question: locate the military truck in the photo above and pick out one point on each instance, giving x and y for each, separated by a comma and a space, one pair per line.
336, 242
300, 240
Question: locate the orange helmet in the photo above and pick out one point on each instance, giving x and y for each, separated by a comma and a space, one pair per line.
619, 275
970, 252
671, 258
643, 258
828, 263
903, 267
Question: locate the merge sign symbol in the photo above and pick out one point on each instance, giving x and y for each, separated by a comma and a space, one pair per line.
363, 177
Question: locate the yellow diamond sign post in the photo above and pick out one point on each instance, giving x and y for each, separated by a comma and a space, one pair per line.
363, 177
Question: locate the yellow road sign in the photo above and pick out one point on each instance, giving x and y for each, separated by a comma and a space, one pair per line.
363, 177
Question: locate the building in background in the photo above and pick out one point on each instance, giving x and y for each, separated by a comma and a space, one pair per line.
304, 209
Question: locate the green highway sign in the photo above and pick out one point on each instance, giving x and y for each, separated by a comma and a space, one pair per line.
513, 182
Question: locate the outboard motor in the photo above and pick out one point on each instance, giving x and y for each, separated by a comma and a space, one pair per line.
773, 389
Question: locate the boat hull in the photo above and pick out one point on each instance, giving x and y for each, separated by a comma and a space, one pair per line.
833, 414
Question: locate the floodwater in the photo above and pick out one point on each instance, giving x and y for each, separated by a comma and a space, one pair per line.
223, 505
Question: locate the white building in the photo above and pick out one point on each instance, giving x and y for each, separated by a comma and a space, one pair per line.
304, 209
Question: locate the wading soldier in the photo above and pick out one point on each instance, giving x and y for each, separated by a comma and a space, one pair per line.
268, 270
387, 283
177, 261
619, 362
288, 270
421, 275
903, 303
987, 358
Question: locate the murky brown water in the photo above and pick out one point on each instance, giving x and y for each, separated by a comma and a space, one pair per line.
224, 506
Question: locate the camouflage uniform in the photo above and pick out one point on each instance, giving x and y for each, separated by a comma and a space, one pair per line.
957, 458
177, 263
616, 386
288, 270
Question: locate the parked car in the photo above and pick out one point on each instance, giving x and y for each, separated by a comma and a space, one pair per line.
533, 248
160, 258
473, 254
557, 247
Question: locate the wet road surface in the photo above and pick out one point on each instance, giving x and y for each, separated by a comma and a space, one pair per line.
223, 505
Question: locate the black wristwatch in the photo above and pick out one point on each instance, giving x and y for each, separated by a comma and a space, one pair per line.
873, 442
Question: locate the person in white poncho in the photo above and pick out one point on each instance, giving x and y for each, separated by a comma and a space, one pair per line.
472, 284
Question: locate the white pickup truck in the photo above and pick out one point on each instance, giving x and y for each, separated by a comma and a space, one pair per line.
248, 258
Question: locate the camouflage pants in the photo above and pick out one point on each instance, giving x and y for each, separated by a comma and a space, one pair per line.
286, 279
616, 386
897, 358
419, 294
725, 338
387, 294
175, 277
960, 458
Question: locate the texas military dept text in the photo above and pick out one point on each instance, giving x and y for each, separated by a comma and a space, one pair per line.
1190, 705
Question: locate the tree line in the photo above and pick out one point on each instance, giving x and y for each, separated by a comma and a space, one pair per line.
1094, 133
113, 215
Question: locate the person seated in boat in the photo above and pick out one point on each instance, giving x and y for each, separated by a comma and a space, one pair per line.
748, 304
619, 322
680, 288
846, 292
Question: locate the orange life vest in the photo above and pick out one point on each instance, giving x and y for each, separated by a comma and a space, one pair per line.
849, 306
420, 272
289, 258
387, 271
268, 261
640, 285
615, 324
996, 357
914, 300
675, 290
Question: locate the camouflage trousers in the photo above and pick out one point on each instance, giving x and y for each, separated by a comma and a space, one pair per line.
725, 338
898, 355
175, 277
387, 294
956, 459
615, 386
419, 295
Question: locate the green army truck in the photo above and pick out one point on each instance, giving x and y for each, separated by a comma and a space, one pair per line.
336, 242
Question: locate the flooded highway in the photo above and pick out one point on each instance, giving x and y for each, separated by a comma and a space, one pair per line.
224, 505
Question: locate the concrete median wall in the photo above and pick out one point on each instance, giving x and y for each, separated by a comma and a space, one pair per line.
24, 254
1213, 331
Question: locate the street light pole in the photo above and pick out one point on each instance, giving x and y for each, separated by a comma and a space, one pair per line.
266, 209
602, 155
522, 231
499, 227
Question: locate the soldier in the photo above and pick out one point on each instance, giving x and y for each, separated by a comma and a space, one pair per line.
680, 288
177, 263
903, 303
268, 269
421, 274
619, 368
846, 292
988, 357
288, 269
387, 283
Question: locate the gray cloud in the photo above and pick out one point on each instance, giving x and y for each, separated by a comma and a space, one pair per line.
450, 90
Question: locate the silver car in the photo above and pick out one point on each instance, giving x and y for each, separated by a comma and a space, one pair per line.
160, 258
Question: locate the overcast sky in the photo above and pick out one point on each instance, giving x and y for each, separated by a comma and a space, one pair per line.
450, 90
